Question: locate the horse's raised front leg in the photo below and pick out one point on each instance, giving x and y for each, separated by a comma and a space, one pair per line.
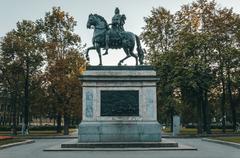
87, 51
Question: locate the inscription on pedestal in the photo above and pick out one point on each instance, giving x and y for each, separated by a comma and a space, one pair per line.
120, 103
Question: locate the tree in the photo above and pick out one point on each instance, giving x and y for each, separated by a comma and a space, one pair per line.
158, 35
11, 76
195, 52
21, 55
39, 65
64, 58
225, 30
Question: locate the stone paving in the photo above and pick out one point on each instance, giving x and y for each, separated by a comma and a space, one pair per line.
205, 150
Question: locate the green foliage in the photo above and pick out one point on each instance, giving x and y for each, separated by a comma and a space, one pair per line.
229, 139
21, 59
64, 57
10, 141
193, 51
40, 62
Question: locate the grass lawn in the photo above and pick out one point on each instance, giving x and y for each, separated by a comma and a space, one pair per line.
193, 131
37, 133
9, 141
229, 139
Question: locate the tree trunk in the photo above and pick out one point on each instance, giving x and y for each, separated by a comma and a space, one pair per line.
72, 120
10, 117
40, 120
233, 109
18, 118
204, 114
171, 129
206, 118
199, 114
238, 94
59, 121
66, 124
223, 105
54, 121
26, 100
1, 119
4, 118
14, 118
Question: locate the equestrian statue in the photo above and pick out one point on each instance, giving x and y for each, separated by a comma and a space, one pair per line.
114, 37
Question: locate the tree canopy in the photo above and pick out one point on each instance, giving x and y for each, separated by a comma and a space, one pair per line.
196, 53
40, 64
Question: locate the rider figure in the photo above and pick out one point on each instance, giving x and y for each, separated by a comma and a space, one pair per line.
118, 21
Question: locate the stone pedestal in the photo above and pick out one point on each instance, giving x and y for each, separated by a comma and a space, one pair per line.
119, 105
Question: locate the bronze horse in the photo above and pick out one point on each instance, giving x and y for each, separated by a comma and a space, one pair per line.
118, 40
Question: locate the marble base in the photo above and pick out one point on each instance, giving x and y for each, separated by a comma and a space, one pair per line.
119, 105
119, 132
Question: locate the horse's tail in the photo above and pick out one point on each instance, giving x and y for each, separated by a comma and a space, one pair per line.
140, 51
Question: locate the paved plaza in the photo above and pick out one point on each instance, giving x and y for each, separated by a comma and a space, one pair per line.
205, 150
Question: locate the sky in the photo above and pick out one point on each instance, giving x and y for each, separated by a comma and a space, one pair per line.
12, 11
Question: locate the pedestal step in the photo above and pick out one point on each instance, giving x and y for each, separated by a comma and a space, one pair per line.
121, 145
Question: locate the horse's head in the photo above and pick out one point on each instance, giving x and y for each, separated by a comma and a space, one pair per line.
91, 21
96, 20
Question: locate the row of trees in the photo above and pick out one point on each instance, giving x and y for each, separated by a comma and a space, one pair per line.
40, 62
196, 52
